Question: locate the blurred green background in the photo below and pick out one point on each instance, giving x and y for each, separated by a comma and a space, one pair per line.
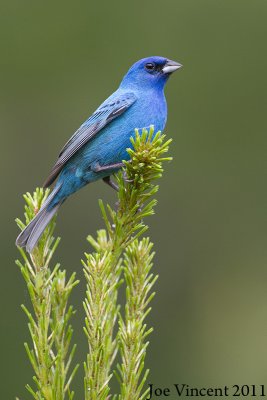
59, 60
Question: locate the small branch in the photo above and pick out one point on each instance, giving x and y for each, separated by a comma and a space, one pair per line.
132, 329
103, 267
102, 272
49, 326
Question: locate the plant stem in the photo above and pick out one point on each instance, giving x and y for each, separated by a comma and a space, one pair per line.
132, 329
49, 324
102, 272
103, 267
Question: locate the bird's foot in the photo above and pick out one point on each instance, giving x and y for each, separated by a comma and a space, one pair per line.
126, 179
109, 182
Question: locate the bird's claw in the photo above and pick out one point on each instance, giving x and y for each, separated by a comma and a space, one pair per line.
126, 179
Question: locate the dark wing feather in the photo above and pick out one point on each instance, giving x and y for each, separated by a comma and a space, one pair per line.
101, 117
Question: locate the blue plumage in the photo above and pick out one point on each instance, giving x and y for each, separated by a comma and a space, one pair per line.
98, 147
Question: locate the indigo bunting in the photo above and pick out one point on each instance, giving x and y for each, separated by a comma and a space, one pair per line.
97, 148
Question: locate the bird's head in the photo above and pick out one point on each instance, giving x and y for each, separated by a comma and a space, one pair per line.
150, 72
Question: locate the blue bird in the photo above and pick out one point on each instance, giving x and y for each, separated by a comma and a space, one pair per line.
97, 148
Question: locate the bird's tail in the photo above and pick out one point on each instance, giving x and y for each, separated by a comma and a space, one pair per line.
30, 235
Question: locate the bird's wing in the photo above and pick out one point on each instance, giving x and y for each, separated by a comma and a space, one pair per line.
109, 110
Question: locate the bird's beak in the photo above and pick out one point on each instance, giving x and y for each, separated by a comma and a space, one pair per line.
170, 67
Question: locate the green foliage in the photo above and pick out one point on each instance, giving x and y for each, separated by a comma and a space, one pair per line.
103, 270
117, 254
132, 329
136, 188
51, 352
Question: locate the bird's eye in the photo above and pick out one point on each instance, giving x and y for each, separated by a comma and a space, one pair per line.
150, 66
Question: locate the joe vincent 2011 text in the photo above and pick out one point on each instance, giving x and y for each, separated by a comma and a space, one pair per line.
182, 389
